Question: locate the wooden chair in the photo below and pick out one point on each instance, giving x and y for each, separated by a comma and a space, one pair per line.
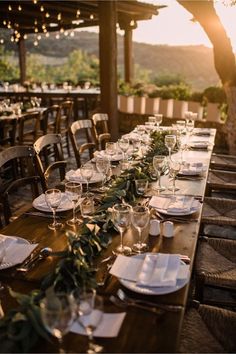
102, 134
221, 181
29, 128
51, 167
64, 120
83, 139
8, 129
215, 271
50, 118
223, 162
21, 175
208, 329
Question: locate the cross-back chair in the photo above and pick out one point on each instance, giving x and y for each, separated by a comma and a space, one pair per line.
64, 120
100, 122
29, 128
51, 167
83, 139
50, 118
21, 177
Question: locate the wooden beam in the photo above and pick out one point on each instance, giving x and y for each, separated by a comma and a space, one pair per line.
128, 55
22, 60
108, 64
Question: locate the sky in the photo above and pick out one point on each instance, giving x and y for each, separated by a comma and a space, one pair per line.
173, 26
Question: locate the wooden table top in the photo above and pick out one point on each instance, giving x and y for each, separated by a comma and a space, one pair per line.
141, 330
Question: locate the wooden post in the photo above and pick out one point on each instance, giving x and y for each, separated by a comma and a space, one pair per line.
22, 60
108, 64
128, 54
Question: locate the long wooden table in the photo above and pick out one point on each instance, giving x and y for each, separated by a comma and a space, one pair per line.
141, 331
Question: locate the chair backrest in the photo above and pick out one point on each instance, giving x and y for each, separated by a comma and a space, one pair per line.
29, 128
78, 131
22, 173
100, 121
50, 118
8, 129
65, 117
49, 157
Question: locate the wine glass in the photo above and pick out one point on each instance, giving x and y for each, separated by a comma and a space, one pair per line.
174, 166
53, 199
103, 166
159, 118
121, 216
58, 314
90, 314
159, 163
87, 172
189, 128
170, 141
73, 192
110, 149
124, 146
140, 218
141, 186
152, 120
181, 125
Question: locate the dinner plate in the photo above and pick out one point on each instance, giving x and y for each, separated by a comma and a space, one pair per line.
19, 240
40, 204
192, 172
162, 290
115, 158
74, 176
195, 207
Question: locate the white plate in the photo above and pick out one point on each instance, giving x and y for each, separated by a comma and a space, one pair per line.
19, 240
76, 177
131, 285
40, 204
192, 210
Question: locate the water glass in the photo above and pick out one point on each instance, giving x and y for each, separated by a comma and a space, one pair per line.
87, 172
87, 205
159, 163
53, 200
124, 146
103, 166
170, 141
110, 149
140, 219
141, 186
121, 217
174, 166
159, 118
73, 192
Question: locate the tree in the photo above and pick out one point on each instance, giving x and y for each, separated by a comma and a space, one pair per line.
204, 12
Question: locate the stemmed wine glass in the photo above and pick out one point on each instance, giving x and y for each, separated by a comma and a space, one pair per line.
159, 162
124, 146
53, 199
159, 118
58, 314
73, 192
110, 149
174, 166
140, 218
103, 166
121, 216
87, 172
170, 141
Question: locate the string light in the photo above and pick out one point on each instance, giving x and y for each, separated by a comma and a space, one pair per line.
1, 41
39, 37
57, 36
77, 13
12, 39
59, 17
91, 16
19, 8
9, 8
36, 43
9, 25
35, 1
62, 30
35, 22
47, 15
25, 36
72, 34
41, 8
47, 34
4, 22
66, 33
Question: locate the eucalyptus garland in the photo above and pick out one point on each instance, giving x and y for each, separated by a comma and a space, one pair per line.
21, 328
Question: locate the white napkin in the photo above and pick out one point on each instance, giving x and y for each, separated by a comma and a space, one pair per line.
173, 204
75, 175
192, 168
202, 131
16, 252
199, 144
155, 270
40, 202
109, 327
116, 157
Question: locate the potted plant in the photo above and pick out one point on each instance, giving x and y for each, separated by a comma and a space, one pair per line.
152, 105
195, 104
215, 101
125, 98
181, 94
166, 102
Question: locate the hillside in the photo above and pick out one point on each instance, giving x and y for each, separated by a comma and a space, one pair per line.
194, 63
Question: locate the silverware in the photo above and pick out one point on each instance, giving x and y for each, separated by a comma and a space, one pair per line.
116, 301
41, 214
130, 301
42, 254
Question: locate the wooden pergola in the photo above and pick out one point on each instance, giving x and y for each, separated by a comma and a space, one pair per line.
39, 16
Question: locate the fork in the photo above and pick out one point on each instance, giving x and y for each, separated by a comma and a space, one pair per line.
116, 301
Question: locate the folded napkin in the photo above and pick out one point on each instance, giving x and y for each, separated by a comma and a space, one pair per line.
173, 204
75, 175
194, 168
16, 250
40, 203
199, 145
116, 157
154, 270
108, 327
202, 131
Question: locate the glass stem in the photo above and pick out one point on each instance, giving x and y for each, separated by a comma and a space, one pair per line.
54, 216
173, 184
61, 349
121, 239
139, 236
74, 216
159, 179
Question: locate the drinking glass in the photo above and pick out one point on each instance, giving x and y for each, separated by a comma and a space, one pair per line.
103, 166
53, 200
110, 149
141, 186
87, 205
87, 172
90, 314
58, 314
159, 118
170, 141
174, 166
121, 216
140, 218
189, 129
124, 146
159, 163
181, 125
73, 192
152, 120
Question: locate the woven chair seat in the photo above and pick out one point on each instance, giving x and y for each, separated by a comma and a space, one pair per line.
216, 259
223, 162
219, 211
208, 329
221, 180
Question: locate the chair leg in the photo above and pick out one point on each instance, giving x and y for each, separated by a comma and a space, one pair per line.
199, 289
